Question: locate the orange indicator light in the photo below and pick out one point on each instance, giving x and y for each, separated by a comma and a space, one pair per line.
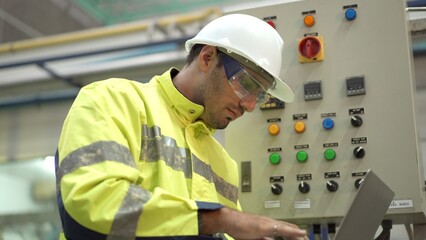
309, 20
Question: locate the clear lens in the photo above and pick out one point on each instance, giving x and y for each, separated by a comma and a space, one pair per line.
246, 86
243, 83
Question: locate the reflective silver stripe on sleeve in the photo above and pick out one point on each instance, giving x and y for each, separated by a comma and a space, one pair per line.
156, 147
224, 188
127, 218
95, 153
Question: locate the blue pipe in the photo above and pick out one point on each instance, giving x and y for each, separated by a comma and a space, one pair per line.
417, 3
419, 48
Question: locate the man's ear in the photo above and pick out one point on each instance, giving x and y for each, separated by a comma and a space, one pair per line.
207, 57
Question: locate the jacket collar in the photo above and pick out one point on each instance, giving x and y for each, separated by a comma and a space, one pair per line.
189, 110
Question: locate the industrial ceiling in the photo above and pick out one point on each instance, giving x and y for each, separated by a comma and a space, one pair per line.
25, 19
110, 12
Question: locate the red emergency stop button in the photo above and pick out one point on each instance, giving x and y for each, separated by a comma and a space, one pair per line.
309, 47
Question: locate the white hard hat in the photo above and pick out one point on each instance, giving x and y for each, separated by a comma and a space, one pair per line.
251, 38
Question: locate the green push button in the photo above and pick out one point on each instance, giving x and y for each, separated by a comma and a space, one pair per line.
329, 154
302, 156
275, 158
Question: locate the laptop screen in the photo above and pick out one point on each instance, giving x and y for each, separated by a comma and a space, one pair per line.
367, 209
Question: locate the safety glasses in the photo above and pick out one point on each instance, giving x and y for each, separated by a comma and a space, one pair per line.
242, 82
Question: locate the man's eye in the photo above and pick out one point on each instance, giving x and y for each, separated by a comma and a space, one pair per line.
249, 84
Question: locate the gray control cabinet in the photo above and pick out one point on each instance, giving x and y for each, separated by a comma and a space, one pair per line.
352, 74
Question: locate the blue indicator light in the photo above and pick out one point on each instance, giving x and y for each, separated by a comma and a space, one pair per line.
350, 14
328, 123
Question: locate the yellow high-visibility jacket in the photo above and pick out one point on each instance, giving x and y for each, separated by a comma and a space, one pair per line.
133, 162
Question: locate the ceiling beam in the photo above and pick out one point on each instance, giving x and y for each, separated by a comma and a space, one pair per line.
20, 25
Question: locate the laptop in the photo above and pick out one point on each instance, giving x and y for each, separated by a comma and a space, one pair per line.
367, 210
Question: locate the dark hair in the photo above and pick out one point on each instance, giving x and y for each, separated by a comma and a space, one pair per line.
195, 51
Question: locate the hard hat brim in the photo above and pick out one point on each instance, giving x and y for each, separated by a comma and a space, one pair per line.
281, 91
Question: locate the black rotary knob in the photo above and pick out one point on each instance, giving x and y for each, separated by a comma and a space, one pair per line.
359, 152
332, 185
304, 187
356, 121
358, 182
276, 188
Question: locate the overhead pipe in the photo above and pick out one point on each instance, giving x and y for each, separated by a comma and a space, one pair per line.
157, 45
160, 46
104, 32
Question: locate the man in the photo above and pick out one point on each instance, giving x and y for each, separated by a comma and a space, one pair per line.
139, 161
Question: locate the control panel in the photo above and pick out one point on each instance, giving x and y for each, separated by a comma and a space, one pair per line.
349, 64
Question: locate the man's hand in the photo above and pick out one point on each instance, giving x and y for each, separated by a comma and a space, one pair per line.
248, 226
